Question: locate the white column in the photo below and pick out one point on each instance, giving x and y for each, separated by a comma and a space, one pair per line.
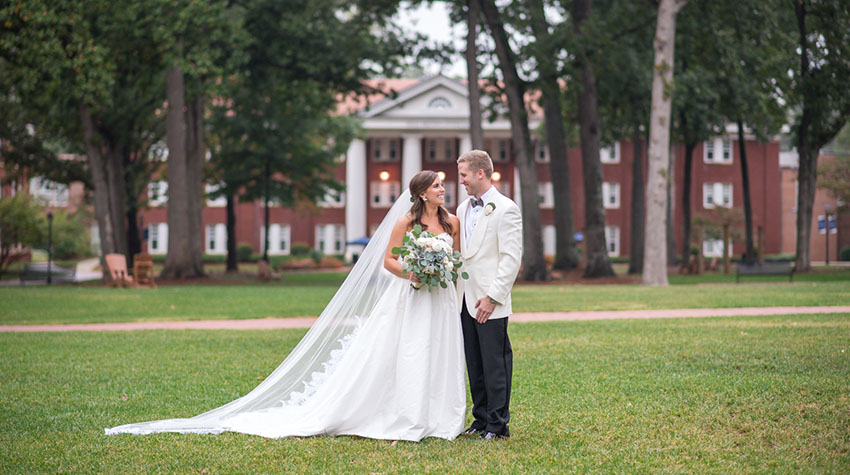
355, 192
465, 146
411, 158
517, 193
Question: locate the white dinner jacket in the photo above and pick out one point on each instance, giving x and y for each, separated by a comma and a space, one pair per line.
493, 254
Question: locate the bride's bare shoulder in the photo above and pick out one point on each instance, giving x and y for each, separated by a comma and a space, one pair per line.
404, 221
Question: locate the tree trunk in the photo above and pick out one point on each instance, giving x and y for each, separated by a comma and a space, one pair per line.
267, 177
566, 252
134, 241
655, 253
533, 263
117, 198
750, 253
476, 132
99, 181
636, 241
808, 158
178, 263
671, 192
686, 204
195, 182
598, 263
232, 251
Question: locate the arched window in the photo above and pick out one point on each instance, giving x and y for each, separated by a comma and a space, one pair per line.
439, 102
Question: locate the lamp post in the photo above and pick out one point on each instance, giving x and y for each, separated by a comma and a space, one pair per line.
826, 234
49, 247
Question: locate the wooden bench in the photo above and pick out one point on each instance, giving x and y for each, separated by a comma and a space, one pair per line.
767, 268
143, 271
264, 271
116, 264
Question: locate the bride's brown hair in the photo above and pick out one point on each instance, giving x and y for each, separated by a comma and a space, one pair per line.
419, 184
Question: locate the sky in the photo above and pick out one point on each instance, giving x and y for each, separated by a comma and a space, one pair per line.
433, 20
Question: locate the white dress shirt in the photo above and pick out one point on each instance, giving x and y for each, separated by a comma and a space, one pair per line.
473, 212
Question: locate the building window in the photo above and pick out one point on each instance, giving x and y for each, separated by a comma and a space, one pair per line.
440, 150
611, 195
716, 194
545, 195
612, 240
384, 193
718, 150
333, 199
610, 154
451, 194
504, 188
218, 201
216, 239
541, 152
330, 238
49, 192
157, 193
503, 151
280, 236
439, 102
713, 247
385, 150
158, 238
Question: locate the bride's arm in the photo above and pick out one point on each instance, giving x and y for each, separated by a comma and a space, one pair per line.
391, 262
455, 232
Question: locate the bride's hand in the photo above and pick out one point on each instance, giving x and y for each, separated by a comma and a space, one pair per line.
415, 278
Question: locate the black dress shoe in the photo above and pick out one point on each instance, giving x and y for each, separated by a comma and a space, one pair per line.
492, 436
472, 431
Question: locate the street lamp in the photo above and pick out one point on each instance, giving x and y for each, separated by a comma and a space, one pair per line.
49, 247
826, 234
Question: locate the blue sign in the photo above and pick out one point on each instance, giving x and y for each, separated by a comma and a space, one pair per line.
833, 229
579, 237
821, 224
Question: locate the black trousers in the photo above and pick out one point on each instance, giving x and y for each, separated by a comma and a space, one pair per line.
489, 364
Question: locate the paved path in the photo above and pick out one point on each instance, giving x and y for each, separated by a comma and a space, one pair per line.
305, 322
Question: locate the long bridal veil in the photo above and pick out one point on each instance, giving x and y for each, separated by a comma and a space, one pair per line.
313, 358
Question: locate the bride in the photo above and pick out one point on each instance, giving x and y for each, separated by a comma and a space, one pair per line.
382, 361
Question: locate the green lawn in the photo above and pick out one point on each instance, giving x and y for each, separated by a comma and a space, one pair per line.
721, 395
307, 294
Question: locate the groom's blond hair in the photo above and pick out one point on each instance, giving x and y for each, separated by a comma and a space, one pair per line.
478, 160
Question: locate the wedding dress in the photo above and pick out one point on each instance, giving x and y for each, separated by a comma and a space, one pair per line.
382, 361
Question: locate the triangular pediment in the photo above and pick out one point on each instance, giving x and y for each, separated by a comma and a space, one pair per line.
437, 96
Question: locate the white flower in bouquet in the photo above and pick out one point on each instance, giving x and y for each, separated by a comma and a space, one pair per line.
432, 259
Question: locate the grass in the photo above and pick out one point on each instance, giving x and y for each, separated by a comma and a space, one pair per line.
307, 294
721, 395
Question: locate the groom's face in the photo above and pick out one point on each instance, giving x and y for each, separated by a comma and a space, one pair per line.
470, 179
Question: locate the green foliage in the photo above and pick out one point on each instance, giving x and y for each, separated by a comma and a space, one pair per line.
300, 249
22, 223
244, 251
70, 235
844, 254
835, 177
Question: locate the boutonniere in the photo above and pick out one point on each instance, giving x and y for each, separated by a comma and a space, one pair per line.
489, 208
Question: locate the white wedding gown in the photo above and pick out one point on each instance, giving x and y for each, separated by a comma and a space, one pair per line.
395, 372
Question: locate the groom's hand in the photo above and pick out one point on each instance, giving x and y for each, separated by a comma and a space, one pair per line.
485, 309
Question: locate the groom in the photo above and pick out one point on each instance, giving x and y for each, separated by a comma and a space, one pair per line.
491, 244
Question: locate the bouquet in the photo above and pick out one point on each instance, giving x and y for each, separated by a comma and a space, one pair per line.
430, 258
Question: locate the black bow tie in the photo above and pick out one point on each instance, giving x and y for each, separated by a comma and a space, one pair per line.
476, 201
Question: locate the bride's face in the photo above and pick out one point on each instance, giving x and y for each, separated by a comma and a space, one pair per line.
435, 193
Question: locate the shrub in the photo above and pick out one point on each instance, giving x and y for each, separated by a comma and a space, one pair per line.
330, 262
844, 254
300, 249
244, 252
